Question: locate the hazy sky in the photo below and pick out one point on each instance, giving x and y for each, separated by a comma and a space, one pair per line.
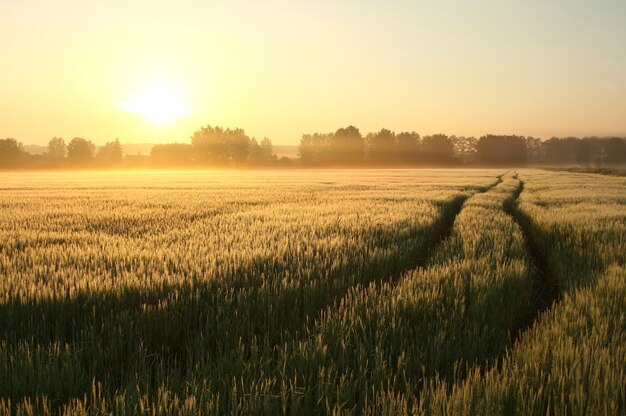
283, 68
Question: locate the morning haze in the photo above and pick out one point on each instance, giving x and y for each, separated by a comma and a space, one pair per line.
153, 71
312, 208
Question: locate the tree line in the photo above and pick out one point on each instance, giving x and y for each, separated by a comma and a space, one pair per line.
223, 147
215, 147
209, 147
79, 153
348, 147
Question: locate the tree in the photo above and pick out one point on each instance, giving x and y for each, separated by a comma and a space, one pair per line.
502, 150
110, 154
57, 148
261, 154
561, 150
437, 148
464, 148
254, 155
615, 150
533, 148
215, 145
238, 145
347, 146
583, 152
11, 153
266, 150
209, 145
80, 152
407, 147
382, 147
314, 149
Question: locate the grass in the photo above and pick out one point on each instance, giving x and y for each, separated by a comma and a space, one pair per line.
612, 171
396, 291
573, 359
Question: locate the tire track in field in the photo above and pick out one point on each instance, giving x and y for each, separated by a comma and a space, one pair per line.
541, 294
545, 289
442, 230
310, 331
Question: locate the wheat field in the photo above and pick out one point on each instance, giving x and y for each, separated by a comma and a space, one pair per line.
487, 291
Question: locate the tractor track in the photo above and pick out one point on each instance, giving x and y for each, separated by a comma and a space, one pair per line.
545, 290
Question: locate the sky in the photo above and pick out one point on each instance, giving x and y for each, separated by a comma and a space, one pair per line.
156, 71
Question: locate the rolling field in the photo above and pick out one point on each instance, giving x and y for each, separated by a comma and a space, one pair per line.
313, 292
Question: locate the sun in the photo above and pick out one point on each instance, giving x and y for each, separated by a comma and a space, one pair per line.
159, 101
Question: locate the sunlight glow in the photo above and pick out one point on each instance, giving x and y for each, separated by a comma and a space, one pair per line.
158, 101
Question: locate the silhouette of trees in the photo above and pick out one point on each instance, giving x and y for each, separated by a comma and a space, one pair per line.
210, 145
407, 148
80, 152
464, 148
261, 154
464, 145
110, 154
347, 147
220, 147
255, 156
57, 149
266, 149
585, 151
533, 149
561, 150
589, 151
238, 145
12, 153
382, 147
437, 149
501, 150
314, 149
615, 150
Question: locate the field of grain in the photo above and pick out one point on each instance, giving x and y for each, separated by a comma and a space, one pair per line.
308, 292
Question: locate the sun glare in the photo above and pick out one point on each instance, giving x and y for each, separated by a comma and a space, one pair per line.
159, 102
